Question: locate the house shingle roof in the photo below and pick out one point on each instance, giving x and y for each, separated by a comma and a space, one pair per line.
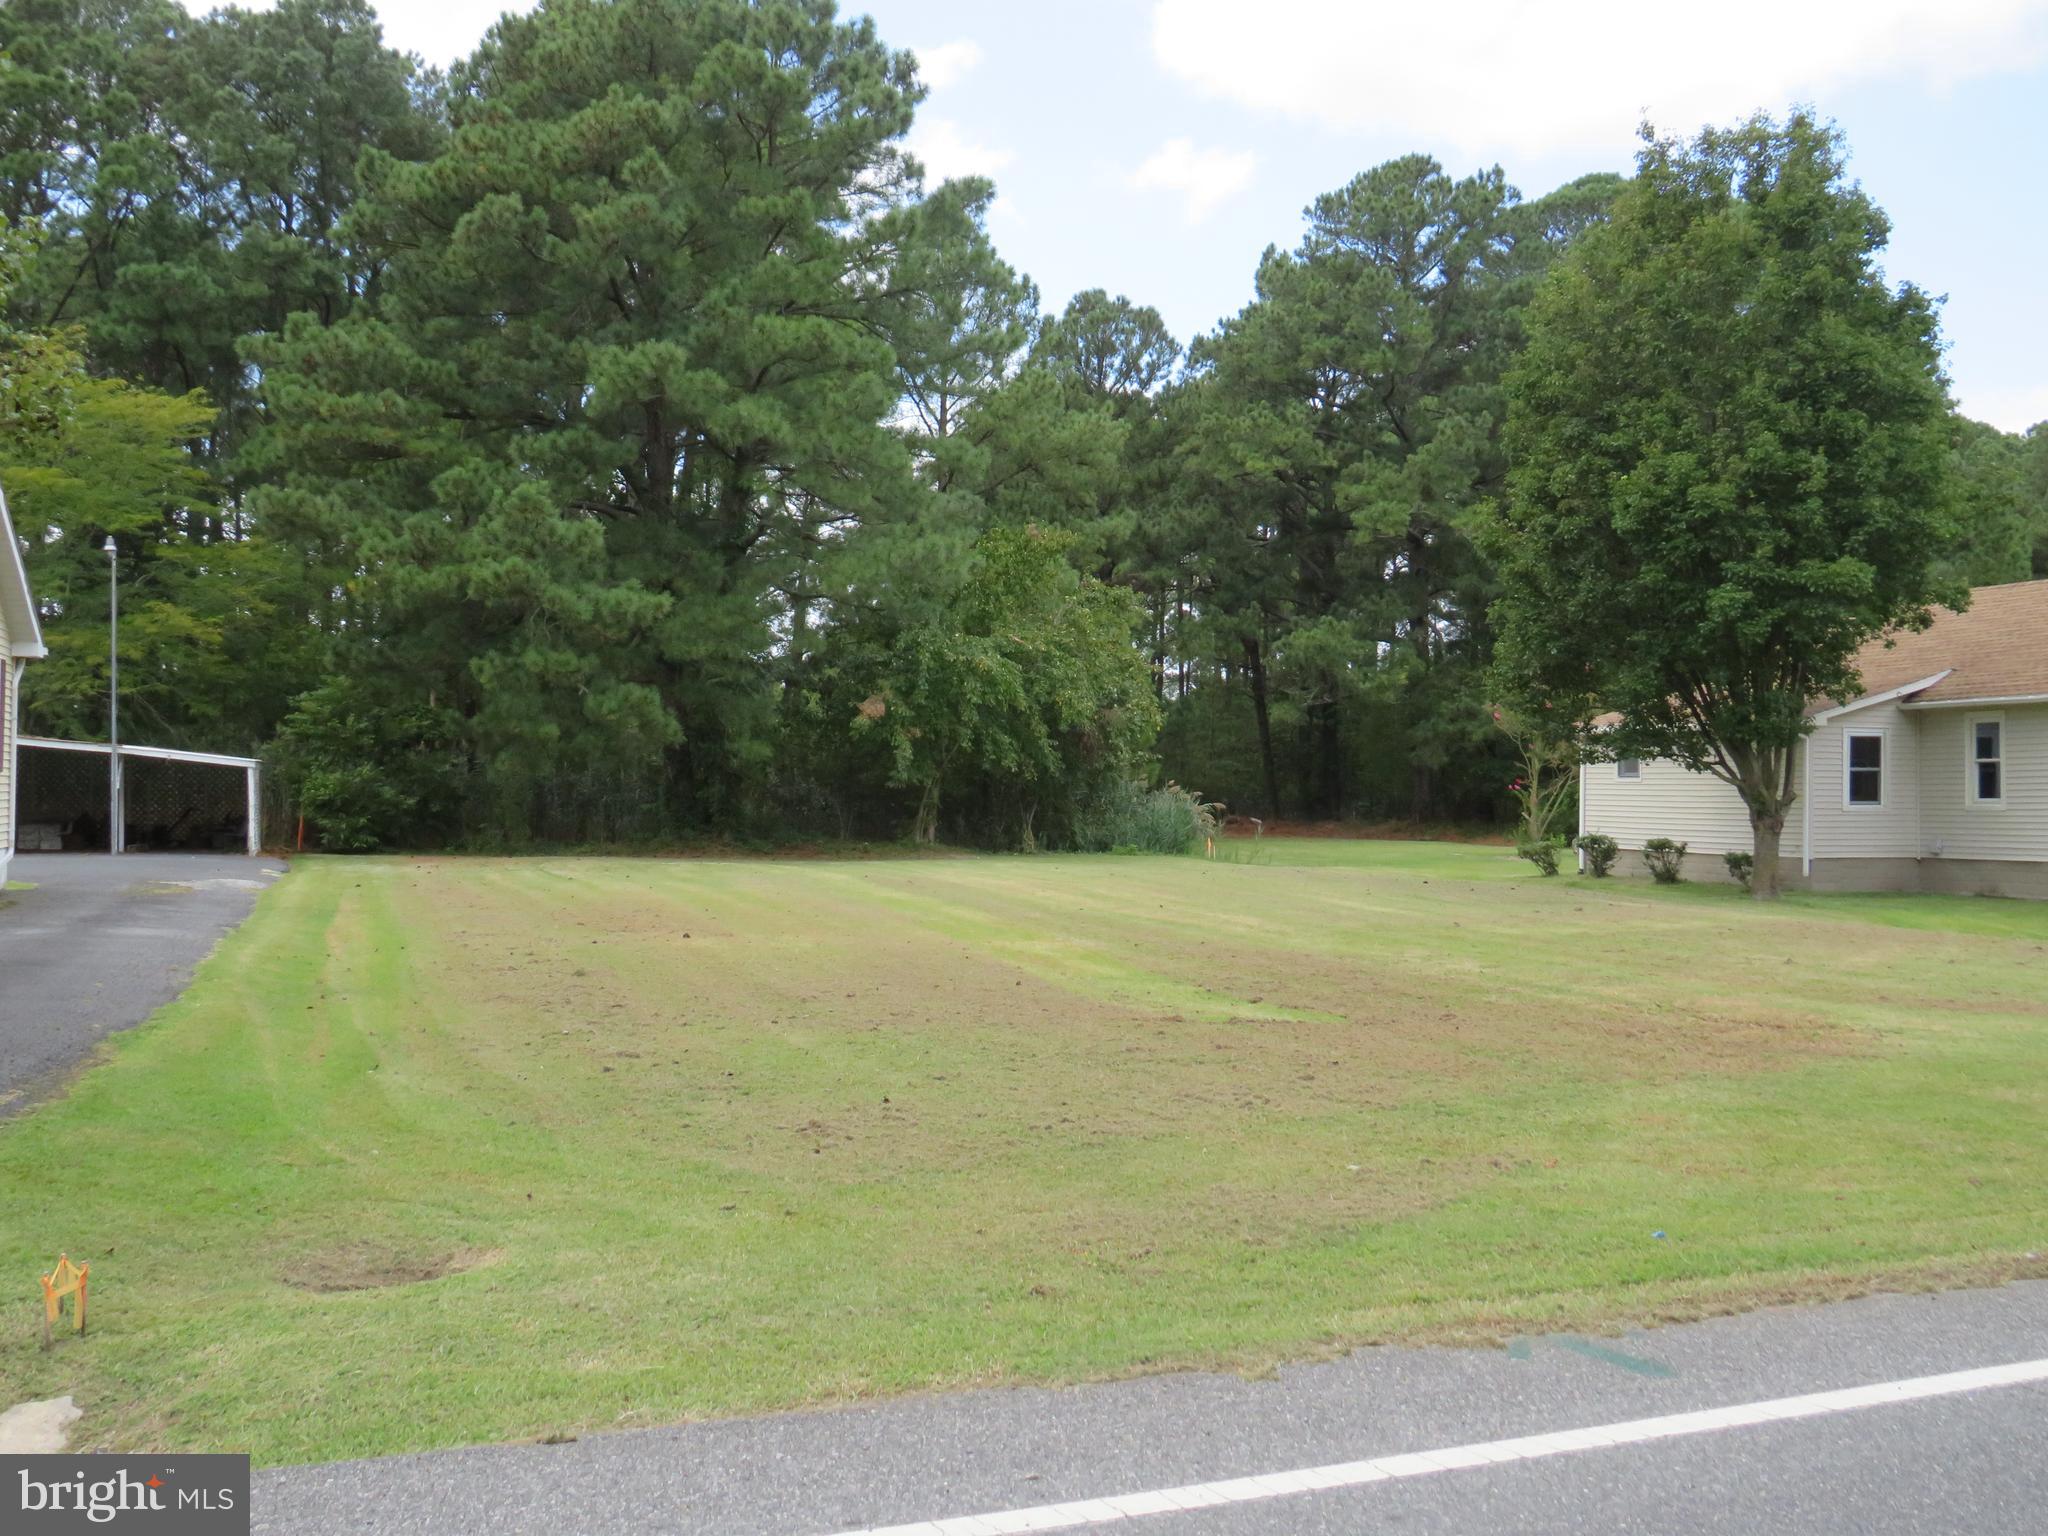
1997, 648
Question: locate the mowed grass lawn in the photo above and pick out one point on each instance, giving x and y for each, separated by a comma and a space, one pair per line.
439, 1151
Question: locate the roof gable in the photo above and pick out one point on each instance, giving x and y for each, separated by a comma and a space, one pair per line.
1821, 710
24, 630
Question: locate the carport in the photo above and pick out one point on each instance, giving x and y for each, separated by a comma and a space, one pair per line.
88, 796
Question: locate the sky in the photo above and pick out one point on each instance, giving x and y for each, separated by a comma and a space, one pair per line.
1155, 148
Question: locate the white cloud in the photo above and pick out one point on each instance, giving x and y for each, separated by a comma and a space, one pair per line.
1204, 178
941, 66
2010, 410
947, 151
1508, 75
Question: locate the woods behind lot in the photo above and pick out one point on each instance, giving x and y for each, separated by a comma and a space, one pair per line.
620, 438
449, 1150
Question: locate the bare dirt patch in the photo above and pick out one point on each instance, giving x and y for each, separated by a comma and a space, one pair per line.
372, 1266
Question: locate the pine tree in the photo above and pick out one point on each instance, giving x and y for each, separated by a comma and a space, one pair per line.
628, 338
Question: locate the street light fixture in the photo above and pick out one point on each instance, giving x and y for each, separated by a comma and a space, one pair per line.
117, 832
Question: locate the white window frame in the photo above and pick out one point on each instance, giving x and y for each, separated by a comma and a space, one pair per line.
1970, 795
1629, 778
1884, 767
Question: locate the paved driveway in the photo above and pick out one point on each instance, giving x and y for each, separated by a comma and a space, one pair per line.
101, 943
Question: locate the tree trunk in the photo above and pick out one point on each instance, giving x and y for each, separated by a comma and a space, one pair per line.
1159, 653
1765, 833
1180, 630
1330, 759
1301, 762
926, 829
1255, 670
1421, 792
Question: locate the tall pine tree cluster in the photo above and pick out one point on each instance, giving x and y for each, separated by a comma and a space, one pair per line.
617, 439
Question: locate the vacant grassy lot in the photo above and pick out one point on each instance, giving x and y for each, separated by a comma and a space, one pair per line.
448, 1150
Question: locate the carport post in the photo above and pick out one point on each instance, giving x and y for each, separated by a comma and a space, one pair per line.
117, 839
117, 824
255, 799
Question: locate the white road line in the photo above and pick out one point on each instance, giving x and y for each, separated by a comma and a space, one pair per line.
1353, 1474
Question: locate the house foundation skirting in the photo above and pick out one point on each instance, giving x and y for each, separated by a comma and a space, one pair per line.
2024, 879
1853, 875
1985, 877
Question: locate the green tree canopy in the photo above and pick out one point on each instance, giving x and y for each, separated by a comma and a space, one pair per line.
190, 175
185, 178
1996, 524
1023, 697
1730, 437
84, 459
2034, 492
627, 349
1110, 348
1345, 430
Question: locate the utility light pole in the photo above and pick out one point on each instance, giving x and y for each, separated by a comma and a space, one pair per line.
117, 831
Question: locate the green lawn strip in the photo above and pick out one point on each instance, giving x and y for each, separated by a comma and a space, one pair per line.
587, 1172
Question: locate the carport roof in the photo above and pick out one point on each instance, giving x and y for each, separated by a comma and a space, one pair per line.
168, 754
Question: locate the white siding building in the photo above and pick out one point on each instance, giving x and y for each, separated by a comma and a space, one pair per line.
1934, 779
21, 641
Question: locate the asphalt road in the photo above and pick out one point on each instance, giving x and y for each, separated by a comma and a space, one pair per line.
99, 944
1972, 1461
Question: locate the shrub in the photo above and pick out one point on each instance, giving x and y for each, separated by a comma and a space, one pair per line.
1540, 852
1741, 866
1601, 851
1663, 856
366, 772
1131, 819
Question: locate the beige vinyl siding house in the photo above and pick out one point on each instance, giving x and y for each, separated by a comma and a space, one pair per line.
1633, 802
1955, 822
21, 641
10, 681
1934, 779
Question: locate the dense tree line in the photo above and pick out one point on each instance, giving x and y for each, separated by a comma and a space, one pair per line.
173, 187
617, 438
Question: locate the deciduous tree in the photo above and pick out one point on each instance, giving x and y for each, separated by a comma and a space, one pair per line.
1023, 696
1730, 441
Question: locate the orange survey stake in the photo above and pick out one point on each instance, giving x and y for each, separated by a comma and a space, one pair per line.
67, 1279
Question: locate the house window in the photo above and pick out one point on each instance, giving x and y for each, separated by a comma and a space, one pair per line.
1864, 766
1987, 760
1628, 768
